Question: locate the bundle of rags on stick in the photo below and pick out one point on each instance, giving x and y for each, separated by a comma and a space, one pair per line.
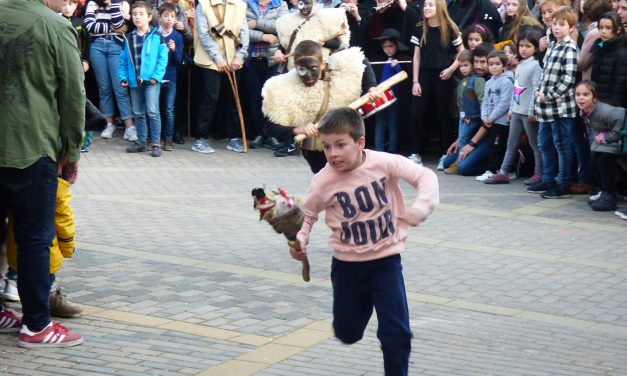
284, 215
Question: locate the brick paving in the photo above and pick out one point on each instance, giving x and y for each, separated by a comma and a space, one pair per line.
178, 277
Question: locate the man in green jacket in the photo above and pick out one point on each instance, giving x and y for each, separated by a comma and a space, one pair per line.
42, 107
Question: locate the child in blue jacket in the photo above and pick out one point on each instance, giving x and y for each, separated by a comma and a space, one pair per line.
142, 66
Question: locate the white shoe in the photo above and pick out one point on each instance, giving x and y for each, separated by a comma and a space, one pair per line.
108, 131
130, 133
486, 175
441, 163
416, 158
10, 292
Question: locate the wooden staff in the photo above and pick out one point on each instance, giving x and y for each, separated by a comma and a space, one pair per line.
233, 81
338, 34
389, 62
400, 76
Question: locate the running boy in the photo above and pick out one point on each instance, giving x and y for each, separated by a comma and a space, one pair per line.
142, 66
555, 107
360, 193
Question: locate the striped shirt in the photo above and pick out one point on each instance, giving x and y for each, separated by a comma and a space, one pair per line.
101, 21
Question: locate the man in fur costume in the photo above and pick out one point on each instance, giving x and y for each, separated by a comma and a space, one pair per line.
294, 101
310, 23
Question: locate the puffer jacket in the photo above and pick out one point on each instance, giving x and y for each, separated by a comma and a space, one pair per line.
609, 70
63, 242
265, 24
608, 120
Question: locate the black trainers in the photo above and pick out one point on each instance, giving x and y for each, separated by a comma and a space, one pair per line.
156, 151
286, 150
137, 147
556, 191
541, 187
605, 202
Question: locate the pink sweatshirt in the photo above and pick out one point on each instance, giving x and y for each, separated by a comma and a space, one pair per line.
362, 205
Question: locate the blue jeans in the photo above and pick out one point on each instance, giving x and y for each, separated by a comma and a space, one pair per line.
581, 147
386, 124
358, 287
105, 59
168, 99
145, 100
466, 131
554, 135
475, 163
30, 195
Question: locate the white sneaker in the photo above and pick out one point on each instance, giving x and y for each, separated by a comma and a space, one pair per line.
130, 133
108, 131
10, 292
441, 163
595, 197
416, 158
486, 175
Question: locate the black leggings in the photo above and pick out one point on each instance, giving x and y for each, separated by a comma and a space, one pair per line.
498, 145
441, 92
604, 170
315, 158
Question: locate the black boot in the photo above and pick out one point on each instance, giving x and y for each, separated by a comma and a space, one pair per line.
606, 202
257, 143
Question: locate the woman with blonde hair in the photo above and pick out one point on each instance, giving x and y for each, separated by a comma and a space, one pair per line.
437, 41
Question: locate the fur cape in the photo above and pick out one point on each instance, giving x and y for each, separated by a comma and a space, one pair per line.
288, 102
323, 24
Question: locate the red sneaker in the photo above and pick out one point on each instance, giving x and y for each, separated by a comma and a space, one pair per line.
8, 322
53, 335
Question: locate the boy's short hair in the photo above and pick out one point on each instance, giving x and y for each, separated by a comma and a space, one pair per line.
167, 7
497, 54
482, 50
142, 4
465, 55
307, 48
567, 14
342, 120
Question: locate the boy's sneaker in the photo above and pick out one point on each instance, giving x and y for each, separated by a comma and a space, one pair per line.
533, 180
8, 322
84, 149
137, 147
452, 169
10, 292
441, 163
606, 202
497, 179
202, 146
286, 150
108, 131
556, 191
622, 213
541, 187
53, 335
235, 144
156, 151
168, 145
60, 306
416, 158
486, 175
130, 134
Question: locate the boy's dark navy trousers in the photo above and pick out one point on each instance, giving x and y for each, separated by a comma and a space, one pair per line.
360, 286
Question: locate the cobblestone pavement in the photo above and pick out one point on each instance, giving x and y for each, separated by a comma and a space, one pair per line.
177, 276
